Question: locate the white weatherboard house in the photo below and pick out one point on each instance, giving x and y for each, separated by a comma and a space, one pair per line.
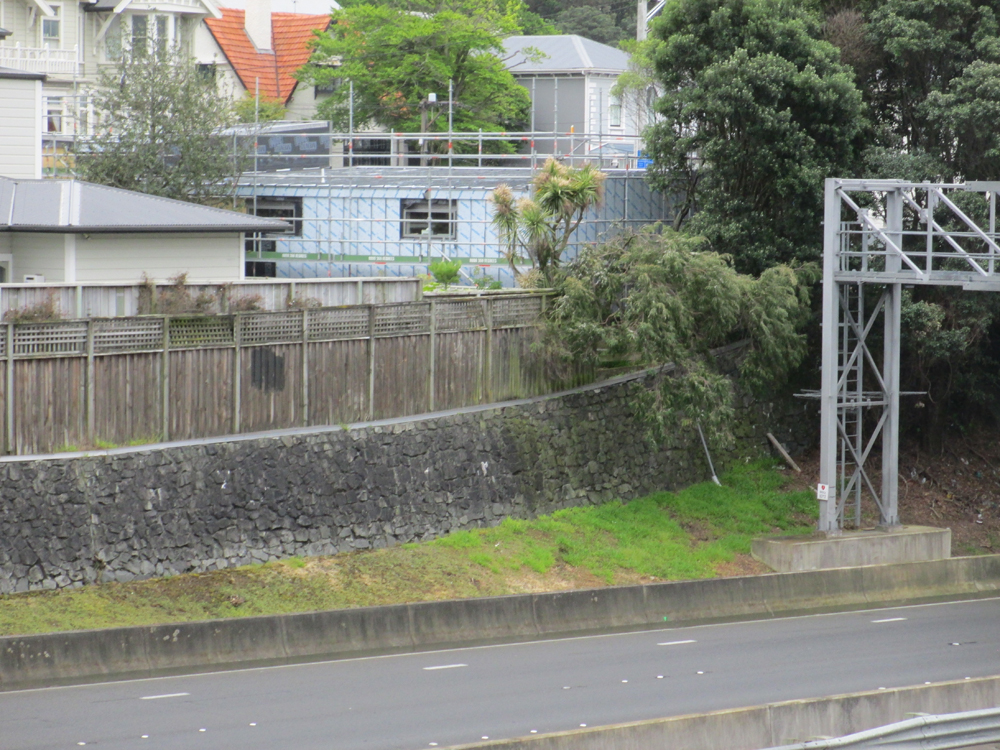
72, 231
570, 84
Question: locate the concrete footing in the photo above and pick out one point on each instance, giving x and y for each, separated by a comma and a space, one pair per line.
903, 544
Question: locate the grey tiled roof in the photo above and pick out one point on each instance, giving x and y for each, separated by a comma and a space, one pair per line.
564, 53
486, 178
72, 206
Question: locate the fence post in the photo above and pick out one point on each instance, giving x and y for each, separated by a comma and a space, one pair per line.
9, 391
165, 378
91, 427
371, 362
237, 373
305, 366
361, 292
488, 375
433, 350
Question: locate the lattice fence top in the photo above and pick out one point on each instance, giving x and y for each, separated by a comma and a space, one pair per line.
196, 332
337, 324
127, 335
39, 339
402, 320
460, 315
271, 328
146, 333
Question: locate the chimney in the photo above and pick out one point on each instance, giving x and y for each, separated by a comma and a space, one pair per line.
258, 24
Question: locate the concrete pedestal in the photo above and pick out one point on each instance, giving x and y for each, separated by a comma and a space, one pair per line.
788, 554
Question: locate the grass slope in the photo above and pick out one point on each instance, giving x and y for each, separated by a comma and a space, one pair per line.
665, 536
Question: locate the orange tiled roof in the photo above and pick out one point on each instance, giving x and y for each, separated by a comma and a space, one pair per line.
290, 34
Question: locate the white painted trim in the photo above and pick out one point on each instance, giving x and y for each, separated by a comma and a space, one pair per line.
44, 7
39, 114
69, 257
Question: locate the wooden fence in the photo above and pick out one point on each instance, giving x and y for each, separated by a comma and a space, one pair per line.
71, 300
101, 381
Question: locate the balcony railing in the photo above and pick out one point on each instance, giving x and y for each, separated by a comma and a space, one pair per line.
61, 62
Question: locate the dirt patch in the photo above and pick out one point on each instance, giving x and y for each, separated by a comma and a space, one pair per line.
741, 565
958, 489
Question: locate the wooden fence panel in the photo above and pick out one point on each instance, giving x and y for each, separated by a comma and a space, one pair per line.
201, 393
401, 376
338, 382
270, 387
458, 369
518, 372
49, 405
128, 405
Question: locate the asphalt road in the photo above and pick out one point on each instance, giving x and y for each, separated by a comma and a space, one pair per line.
463, 695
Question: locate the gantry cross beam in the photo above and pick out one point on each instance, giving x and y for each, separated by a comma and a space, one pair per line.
879, 237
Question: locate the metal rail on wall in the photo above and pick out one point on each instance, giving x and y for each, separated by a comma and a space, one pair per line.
880, 237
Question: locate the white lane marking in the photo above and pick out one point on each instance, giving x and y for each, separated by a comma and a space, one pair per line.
445, 666
166, 695
890, 619
677, 643
713, 625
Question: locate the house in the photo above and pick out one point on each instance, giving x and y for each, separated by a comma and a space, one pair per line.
69, 41
73, 231
378, 221
21, 124
254, 49
570, 85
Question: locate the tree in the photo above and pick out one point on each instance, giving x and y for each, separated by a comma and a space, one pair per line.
650, 298
590, 22
395, 56
540, 227
757, 111
249, 109
158, 131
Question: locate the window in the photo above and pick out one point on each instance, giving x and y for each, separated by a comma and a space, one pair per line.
416, 214
141, 34
286, 209
51, 35
207, 71
53, 114
615, 114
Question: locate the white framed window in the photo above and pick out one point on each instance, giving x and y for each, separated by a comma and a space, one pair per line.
141, 34
284, 208
420, 217
615, 114
52, 28
54, 114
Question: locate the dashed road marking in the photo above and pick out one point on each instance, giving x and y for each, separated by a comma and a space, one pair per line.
445, 666
676, 643
166, 695
890, 619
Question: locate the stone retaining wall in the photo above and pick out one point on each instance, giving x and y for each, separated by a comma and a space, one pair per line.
137, 513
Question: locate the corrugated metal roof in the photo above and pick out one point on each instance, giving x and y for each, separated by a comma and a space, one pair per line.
565, 53
72, 206
486, 178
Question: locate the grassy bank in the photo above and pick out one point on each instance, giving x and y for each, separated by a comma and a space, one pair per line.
695, 533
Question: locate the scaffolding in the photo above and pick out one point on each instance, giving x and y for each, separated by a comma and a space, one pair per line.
880, 237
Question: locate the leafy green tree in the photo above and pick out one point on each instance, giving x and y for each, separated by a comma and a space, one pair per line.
539, 228
158, 131
590, 22
396, 55
649, 298
757, 110
445, 272
248, 109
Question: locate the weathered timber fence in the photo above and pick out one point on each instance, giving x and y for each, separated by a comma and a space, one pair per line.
101, 300
88, 383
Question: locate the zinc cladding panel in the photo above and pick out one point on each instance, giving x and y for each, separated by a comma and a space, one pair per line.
37, 203
19, 128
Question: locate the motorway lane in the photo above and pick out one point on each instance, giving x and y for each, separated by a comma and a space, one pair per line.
443, 698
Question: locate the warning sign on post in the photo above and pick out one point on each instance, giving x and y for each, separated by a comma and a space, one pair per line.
822, 492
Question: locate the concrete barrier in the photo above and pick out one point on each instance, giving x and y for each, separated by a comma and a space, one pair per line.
61, 658
769, 725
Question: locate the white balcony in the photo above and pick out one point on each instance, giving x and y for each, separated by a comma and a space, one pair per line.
57, 62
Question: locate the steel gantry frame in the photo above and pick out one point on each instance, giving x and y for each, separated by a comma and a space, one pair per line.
880, 237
